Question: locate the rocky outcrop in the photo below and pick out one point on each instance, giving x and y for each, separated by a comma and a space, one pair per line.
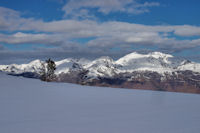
180, 81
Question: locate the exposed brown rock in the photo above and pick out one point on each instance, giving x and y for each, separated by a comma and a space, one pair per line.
180, 81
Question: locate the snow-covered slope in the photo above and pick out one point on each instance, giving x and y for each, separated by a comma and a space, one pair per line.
62, 66
106, 67
135, 55
32, 106
65, 65
33, 66
155, 61
187, 65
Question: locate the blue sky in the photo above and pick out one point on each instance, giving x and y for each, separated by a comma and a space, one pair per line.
93, 28
174, 12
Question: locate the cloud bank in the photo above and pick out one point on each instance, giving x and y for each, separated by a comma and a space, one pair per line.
103, 38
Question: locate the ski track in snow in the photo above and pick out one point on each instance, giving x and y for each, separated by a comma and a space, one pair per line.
33, 106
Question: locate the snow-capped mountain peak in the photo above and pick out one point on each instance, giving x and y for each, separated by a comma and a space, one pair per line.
103, 66
106, 66
160, 55
135, 56
33, 66
155, 61
156, 71
63, 66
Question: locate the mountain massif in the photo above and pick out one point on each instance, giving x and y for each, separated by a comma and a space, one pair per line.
153, 71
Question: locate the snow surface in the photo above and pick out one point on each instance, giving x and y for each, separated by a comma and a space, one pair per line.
33, 106
155, 61
65, 65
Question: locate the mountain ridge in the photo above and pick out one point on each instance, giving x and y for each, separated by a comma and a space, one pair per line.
155, 71
154, 61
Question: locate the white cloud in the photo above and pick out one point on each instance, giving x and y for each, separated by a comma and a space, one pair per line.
74, 7
11, 20
106, 35
145, 37
187, 30
7, 18
22, 38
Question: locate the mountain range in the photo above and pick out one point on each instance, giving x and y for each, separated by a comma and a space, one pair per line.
153, 71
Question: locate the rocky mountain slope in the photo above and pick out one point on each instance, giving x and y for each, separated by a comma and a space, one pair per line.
155, 71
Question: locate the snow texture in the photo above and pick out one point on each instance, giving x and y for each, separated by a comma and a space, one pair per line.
33, 106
